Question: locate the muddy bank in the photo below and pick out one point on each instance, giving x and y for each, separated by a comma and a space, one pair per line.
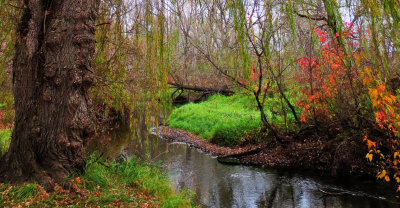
179, 135
335, 157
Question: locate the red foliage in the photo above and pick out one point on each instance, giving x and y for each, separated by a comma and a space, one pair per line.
2, 124
324, 77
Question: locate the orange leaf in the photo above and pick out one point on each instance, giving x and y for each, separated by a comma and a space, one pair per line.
370, 143
382, 174
365, 138
369, 157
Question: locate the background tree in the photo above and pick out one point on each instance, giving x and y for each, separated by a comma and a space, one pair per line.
11, 11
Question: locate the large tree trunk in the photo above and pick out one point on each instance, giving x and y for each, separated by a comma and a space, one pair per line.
52, 74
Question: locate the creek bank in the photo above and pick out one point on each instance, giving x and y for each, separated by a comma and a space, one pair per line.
130, 183
179, 135
335, 157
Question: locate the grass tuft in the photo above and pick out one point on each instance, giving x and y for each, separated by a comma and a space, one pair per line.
24, 192
5, 139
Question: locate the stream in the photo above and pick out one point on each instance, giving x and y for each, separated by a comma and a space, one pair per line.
220, 185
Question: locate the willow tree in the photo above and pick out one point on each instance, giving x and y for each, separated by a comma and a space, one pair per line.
52, 73
10, 13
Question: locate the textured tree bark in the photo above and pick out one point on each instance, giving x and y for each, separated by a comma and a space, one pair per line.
52, 74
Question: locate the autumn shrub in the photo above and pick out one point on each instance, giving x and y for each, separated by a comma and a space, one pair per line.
347, 84
384, 149
328, 82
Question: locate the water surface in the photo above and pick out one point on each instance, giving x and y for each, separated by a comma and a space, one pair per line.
220, 185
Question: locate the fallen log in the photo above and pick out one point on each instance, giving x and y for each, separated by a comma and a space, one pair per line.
232, 159
224, 91
246, 153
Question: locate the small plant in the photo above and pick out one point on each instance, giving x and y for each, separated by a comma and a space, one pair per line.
24, 192
5, 139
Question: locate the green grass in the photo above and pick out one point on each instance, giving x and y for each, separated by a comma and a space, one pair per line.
224, 120
24, 192
5, 139
130, 174
127, 184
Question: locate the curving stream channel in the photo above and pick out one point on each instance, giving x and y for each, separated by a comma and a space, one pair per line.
219, 185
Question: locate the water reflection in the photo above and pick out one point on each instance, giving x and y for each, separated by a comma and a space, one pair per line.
219, 185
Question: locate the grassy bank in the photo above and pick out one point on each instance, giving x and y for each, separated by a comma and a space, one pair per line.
126, 184
224, 120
